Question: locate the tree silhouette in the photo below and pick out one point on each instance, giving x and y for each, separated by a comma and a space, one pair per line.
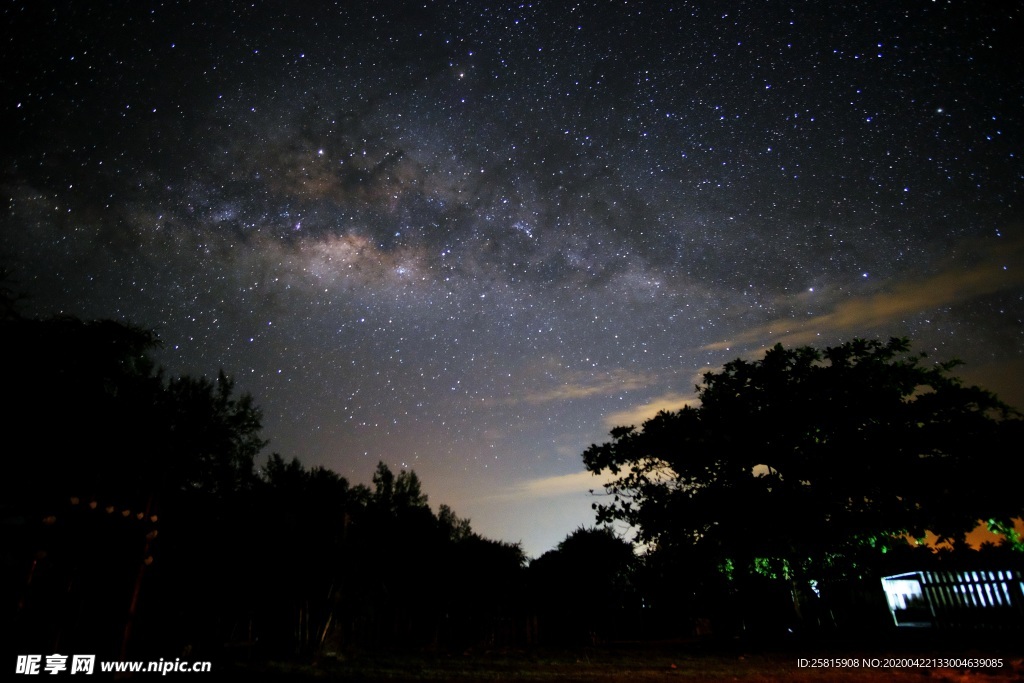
212, 438
99, 446
80, 410
297, 539
800, 465
136, 523
585, 589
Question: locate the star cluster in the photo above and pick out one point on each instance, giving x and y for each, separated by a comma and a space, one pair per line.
468, 238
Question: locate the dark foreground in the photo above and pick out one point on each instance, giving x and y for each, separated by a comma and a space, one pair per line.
995, 663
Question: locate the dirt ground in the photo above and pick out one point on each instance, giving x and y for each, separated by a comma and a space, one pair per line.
667, 662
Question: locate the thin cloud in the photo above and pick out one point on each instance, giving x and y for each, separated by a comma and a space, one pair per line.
563, 484
576, 386
637, 415
889, 308
576, 484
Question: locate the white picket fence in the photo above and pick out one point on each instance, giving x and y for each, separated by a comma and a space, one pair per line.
956, 599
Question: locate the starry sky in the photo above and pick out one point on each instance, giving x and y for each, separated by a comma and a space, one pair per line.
470, 238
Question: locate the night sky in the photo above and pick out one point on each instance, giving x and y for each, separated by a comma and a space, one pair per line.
470, 238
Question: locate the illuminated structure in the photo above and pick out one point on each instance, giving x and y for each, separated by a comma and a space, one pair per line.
956, 599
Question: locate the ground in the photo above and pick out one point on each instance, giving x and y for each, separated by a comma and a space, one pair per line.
999, 663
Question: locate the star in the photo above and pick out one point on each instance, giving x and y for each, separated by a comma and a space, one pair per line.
461, 242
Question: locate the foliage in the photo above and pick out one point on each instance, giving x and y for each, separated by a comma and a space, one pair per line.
798, 464
135, 518
81, 396
212, 438
427, 577
586, 587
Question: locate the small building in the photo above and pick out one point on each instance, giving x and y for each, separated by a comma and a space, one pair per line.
956, 599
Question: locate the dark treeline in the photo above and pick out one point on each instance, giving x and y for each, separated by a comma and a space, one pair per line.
140, 519
776, 505
138, 522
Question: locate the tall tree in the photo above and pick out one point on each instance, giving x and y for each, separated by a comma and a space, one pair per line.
80, 412
585, 588
100, 447
797, 464
212, 437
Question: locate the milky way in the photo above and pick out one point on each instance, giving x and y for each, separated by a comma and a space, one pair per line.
469, 239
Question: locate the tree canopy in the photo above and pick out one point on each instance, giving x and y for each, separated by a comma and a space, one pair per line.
586, 587
798, 463
135, 518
